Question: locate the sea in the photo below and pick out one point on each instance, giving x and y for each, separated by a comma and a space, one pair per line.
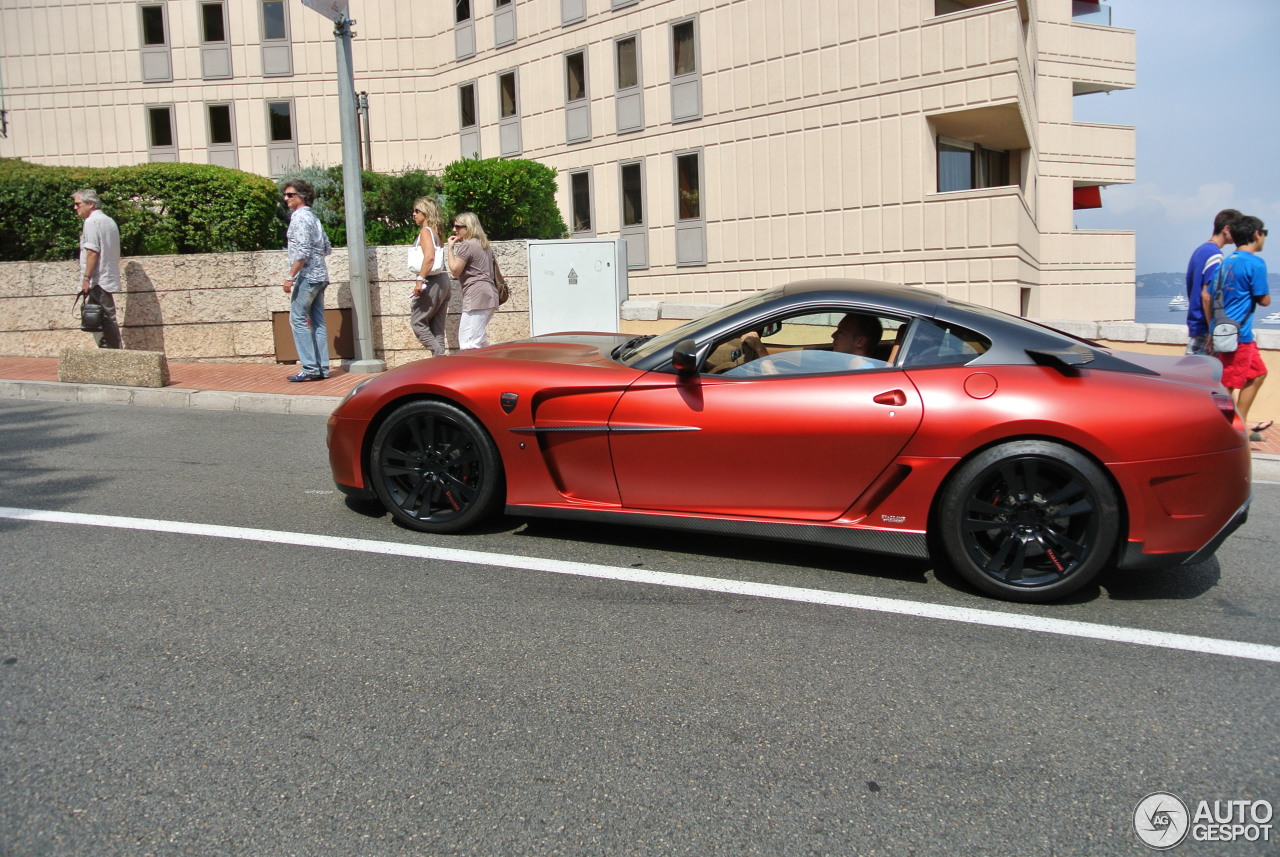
1154, 291
1154, 309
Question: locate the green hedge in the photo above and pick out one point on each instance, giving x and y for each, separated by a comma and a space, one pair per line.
512, 198
388, 202
160, 208
195, 208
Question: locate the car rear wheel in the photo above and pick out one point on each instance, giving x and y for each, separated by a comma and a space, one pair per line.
1029, 520
435, 468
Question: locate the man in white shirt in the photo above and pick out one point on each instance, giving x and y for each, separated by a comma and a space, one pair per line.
99, 263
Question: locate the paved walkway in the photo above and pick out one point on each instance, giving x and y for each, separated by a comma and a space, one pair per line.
210, 386
263, 387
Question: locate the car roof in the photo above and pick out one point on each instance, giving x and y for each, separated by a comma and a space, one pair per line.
921, 301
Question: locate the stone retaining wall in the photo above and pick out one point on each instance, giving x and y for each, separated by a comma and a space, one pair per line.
218, 307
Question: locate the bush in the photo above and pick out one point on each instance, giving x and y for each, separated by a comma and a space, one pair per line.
388, 203
160, 209
196, 208
512, 198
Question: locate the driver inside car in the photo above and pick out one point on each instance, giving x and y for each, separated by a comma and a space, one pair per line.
852, 343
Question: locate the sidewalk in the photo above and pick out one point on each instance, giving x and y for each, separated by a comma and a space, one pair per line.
208, 386
263, 388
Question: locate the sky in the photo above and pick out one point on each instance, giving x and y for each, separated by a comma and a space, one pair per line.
1207, 112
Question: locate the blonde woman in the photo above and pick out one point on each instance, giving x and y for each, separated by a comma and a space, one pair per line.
471, 261
430, 299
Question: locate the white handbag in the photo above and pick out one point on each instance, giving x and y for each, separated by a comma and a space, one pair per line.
416, 257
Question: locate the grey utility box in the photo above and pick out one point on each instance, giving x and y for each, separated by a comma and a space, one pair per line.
576, 284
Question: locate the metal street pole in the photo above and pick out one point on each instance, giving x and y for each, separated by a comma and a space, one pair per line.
354, 197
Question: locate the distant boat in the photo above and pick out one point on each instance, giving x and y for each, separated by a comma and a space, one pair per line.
1179, 302
1274, 318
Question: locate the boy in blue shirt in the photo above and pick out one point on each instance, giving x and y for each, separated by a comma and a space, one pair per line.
1200, 273
1244, 286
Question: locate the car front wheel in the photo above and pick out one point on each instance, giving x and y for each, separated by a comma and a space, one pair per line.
435, 468
1029, 520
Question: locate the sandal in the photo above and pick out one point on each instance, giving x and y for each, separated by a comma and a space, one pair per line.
1262, 426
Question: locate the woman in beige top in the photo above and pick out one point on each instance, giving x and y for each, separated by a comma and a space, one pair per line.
471, 261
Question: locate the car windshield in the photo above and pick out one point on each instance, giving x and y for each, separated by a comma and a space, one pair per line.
639, 348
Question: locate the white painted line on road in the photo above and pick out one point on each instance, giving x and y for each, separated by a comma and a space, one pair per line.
1038, 624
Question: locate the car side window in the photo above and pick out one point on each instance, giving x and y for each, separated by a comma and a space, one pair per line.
934, 343
811, 343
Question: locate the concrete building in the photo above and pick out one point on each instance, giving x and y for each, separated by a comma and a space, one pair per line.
735, 144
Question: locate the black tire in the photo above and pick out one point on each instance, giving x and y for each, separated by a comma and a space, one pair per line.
1029, 520
435, 468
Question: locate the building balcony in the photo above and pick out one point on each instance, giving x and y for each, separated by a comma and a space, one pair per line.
1089, 153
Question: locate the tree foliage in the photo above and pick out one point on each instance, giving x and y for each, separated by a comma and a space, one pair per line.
512, 198
198, 208
388, 202
160, 208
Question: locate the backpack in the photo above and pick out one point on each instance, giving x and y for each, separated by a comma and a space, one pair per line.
1224, 331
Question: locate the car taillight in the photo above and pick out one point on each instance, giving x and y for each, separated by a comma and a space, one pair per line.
1226, 404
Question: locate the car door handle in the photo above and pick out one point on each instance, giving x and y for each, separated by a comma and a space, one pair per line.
896, 398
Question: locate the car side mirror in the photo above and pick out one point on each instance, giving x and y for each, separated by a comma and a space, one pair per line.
684, 358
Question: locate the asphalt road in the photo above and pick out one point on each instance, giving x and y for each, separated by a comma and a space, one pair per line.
232, 693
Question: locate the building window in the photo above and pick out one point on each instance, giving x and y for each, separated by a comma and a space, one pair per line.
580, 204
274, 27
213, 23
277, 47
963, 165
215, 47
281, 117
504, 23
508, 114
628, 93
634, 230
162, 145
468, 128
464, 30
220, 133
157, 65
153, 28
282, 145
467, 105
220, 120
575, 76
686, 82
577, 106
691, 223
618, 4
507, 95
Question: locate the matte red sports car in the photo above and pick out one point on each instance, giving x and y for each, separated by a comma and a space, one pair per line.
864, 415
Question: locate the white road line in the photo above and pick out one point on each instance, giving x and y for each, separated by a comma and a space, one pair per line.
1038, 624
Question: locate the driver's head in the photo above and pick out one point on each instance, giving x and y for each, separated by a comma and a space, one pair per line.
857, 334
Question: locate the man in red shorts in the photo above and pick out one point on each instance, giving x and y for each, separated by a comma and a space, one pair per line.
1244, 286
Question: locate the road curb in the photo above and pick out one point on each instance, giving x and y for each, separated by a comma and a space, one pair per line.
174, 397
1266, 468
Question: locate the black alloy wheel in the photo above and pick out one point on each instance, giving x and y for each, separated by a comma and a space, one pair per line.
435, 468
1029, 520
